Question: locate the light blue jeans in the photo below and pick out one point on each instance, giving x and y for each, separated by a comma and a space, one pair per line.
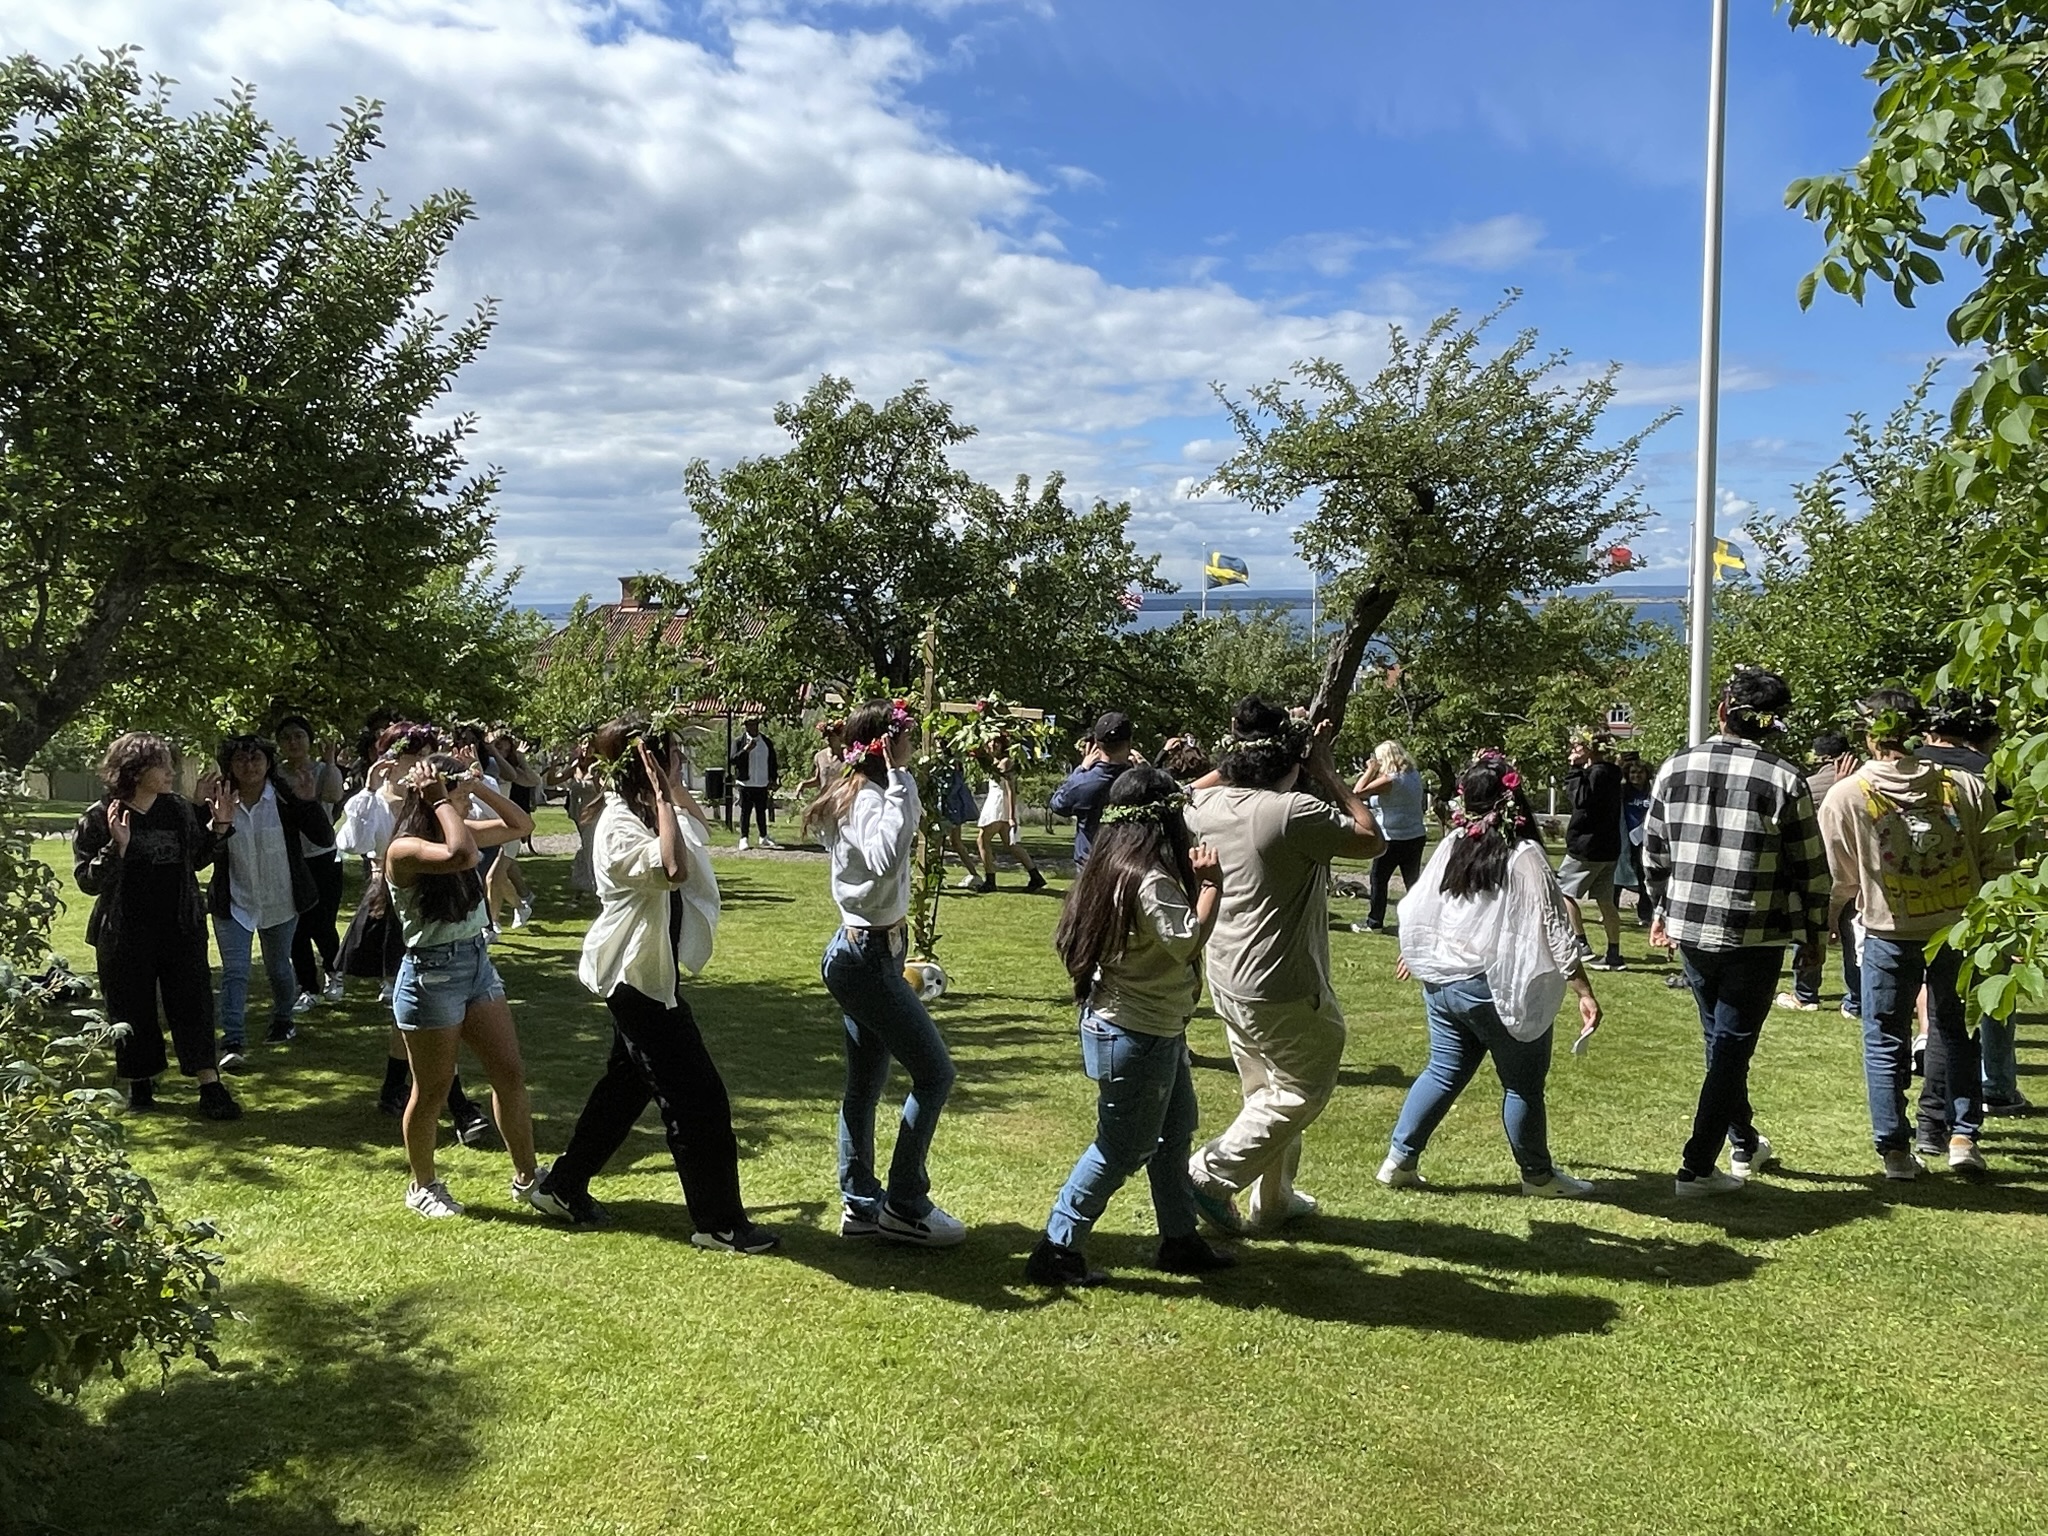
235, 942
1465, 1029
1145, 1117
884, 1019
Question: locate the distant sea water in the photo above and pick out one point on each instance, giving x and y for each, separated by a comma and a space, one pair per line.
1659, 605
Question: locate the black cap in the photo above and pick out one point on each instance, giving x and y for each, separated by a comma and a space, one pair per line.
1113, 729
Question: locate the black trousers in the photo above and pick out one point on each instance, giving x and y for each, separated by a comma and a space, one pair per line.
133, 973
316, 933
755, 801
658, 1055
1404, 854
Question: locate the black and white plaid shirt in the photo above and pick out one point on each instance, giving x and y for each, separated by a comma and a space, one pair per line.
1732, 850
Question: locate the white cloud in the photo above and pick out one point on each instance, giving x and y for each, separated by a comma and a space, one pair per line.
1491, 245
679, 237
1331, 253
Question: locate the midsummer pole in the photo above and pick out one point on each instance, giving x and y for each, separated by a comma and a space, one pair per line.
1701, 607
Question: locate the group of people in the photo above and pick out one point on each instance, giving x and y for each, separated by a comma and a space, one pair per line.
1191, 872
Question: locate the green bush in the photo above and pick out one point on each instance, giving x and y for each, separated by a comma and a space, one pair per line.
92, 1272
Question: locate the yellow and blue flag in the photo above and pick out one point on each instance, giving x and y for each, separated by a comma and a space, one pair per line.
1727, 558
1225, 570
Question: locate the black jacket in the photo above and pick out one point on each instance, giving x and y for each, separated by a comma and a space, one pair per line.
737, 763
305, 823
1594, 831
98, 871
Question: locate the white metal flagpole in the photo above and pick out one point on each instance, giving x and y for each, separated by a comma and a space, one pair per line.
1699, 723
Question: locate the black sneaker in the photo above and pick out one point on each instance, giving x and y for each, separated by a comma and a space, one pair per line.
1193, 1255
216, 1103
744, 1238
1613, 961
988, 881
231, 1059
1036, 882
281, 1032
473, 1128
392, 1100
142, 1094
1054, 1263
573, 1206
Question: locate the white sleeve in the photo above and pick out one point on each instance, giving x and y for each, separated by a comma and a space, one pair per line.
359, 822
880, 825
1540, 903
1163, 904
628, 853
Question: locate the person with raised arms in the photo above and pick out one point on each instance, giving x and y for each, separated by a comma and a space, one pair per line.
448, 993
660, 916
868, 823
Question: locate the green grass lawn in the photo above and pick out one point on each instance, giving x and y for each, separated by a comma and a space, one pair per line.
1822, 1353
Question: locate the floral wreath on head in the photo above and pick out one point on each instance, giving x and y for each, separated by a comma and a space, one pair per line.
665, 722
1464, 824
1748, 715
901, 720
1293, 740
1149, 810
830, 724
414, 739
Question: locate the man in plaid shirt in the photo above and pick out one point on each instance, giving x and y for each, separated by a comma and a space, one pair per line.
1732, 855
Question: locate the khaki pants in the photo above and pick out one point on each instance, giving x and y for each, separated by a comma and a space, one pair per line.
1287, 1058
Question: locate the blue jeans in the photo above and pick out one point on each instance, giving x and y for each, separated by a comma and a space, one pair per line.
1145, 1117
1806, 980
884, 1019
1733, 989
2000, 1050
1464, 1029
1893, 972
234, 942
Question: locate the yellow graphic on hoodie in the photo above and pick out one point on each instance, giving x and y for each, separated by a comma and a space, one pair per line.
1924, 862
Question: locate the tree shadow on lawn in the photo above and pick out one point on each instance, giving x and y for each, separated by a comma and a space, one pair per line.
257, 1447
1384, 1074
987, 1272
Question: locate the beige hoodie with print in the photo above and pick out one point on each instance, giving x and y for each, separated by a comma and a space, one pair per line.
1905, 842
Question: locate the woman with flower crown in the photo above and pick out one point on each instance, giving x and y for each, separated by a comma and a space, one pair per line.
1489, 934
868, 823
1131, 936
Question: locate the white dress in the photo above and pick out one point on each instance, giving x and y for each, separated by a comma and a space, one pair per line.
995, 805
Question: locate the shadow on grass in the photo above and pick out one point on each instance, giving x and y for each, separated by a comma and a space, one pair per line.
1551, 1248
267, 1447
987, 1272
1788, 1202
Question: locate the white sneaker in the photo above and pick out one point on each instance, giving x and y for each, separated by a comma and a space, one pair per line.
523, 913
1757, 1161
1900, 1165
769, 842
744, 845
967, 883
1559, 1186
934, 1229
522, 1189
1298, 1206
1963, 1156
384, 993
433, 1201
1790, 1000
336, 983
306, 1002
1217, 1203
1396, 1174
1715, 1183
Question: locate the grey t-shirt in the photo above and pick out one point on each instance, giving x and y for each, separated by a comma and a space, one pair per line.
1272, 939
1153, 986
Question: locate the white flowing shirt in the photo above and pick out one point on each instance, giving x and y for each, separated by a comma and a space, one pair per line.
871, 852
1519, 936
629, 941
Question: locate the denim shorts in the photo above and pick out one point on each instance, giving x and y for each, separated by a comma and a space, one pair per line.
437, 984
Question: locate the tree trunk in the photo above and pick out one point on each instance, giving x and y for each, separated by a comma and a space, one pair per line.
1369, 610
34, 714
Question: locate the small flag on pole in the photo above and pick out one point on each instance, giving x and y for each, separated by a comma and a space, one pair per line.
1130, 600
1225, 570
1727, 558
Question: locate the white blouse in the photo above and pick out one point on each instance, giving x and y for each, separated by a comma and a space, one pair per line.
1519, 937
872, 852
629, 940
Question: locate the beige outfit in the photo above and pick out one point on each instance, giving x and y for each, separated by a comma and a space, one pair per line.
1269, 976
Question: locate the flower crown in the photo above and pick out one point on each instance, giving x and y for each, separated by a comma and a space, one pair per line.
900, 722
1149, 810
1463, 824
413, 739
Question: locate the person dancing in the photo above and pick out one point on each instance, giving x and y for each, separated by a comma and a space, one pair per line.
448, 992
660, 914
999, 817
868, 822
1131, 937
137, 853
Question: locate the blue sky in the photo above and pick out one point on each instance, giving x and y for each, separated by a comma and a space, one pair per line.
1070, 217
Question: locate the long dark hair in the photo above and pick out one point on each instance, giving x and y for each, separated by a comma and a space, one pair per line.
869, 731
1493, 820
1095, 923
440, 898
613, 742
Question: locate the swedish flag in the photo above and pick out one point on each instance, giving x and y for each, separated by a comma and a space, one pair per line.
1727, 558
1225, 570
